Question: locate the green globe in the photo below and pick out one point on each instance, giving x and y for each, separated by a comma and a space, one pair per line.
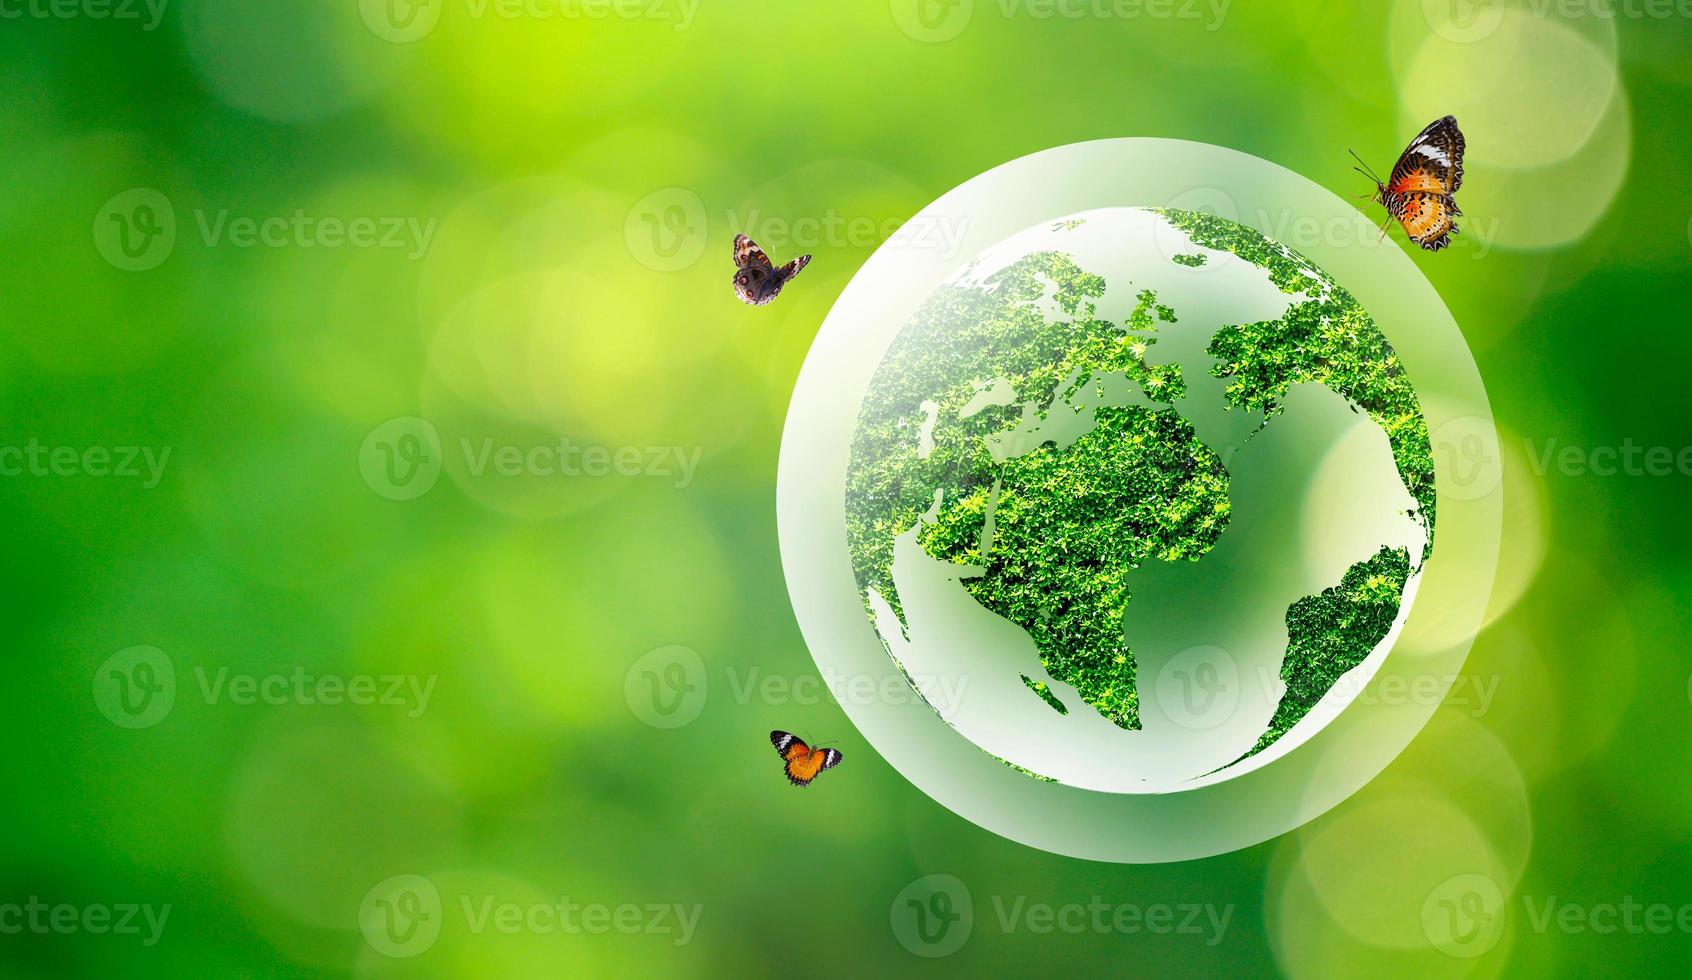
1139, 498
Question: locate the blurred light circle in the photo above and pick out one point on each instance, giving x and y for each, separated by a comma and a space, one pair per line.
1309, 943
557, 619
1592, 649
1374, 865
318, 813
469, 743
273, 482
1532, 91
1525, 534
1457, 767
1527, 714
1547, 207
284, 60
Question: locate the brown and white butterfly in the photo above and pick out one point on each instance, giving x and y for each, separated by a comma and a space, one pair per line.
1422, 191
803, 763
756, 280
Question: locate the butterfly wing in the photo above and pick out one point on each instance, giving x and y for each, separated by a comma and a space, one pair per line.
747, 253
1428, 218
770, 287
793, 268
804, 767
1432, 163
788, 744
1421, 193
803, 762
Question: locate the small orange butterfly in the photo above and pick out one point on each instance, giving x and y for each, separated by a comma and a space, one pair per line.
1422, 193
803, 762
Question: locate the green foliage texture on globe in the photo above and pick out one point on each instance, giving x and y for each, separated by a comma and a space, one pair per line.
1056, 451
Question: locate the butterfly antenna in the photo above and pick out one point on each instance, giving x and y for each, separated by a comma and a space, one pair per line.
1366, 171
1369, 195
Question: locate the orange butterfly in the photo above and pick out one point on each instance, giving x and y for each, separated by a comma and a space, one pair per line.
1422, 191
803, 762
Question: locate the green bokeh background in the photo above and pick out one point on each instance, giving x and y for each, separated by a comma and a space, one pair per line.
539, 310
